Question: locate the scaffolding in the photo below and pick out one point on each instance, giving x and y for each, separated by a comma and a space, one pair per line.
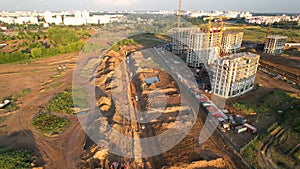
202, 48
275, 44
180, 38
234, 75
231, 42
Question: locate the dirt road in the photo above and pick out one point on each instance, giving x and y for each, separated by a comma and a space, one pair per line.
263, 154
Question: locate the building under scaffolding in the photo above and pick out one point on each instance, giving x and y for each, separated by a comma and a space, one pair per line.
275, 44
231, 42
204, 48
230, 76
181, 36
234, 75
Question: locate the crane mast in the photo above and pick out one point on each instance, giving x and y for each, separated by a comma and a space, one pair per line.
179, 13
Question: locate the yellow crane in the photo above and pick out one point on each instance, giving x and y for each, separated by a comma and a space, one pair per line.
179, 13
220, 28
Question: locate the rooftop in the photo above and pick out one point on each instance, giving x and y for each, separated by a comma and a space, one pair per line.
276, 37
151, 80
238, 55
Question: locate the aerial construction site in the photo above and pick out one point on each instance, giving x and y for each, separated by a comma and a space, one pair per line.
217, 52
138, 92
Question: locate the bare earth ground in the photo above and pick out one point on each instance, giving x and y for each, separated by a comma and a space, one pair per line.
285, 62
44, 80
65, 149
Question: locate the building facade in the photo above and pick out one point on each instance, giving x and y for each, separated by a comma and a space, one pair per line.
231, 42
181, 36
275, 44
234, 75
203, 48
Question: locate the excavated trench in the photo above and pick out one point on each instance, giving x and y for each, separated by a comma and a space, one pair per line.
187, 151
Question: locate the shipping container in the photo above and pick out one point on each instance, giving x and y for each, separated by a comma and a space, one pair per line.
240, 129
251, 128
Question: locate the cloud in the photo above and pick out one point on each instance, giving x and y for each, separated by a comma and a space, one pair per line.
115, 2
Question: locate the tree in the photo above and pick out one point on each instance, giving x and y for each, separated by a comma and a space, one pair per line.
62, 36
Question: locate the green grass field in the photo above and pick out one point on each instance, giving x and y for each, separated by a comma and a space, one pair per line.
48, 123
20, 159
258, 34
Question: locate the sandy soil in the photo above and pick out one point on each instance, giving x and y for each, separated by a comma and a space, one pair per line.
44, 80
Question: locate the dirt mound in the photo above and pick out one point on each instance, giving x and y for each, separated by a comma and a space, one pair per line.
212, 164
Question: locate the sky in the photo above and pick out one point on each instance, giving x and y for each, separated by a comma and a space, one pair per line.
282, 6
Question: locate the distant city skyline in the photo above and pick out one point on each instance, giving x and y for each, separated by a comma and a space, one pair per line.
266, 6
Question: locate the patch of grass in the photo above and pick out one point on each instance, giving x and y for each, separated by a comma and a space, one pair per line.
258, 34
292, 52
250, 152
116, 46
284, 160
290, 117
58, 74
12, 106
22, 94
2, 119
80, 97
49, 124
297, 155
269, 103
57, 85
15, 159
243, 107
62, 103
150, 39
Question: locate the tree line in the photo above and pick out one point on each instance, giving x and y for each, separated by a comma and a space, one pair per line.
43, 44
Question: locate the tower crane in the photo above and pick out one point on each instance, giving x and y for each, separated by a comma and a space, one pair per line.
179, 13
220, 28
268, 30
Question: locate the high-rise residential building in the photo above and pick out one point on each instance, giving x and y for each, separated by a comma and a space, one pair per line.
234, 75
181, 36
231, 42
202, 48
275, 44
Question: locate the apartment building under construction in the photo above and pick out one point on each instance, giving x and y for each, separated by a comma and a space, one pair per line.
231, 42
275, 44
204, 48
181, 37
234, 75
231, 74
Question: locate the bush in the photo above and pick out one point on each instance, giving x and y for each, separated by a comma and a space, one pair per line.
2, 119
62, 102
15, 159
49, 124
